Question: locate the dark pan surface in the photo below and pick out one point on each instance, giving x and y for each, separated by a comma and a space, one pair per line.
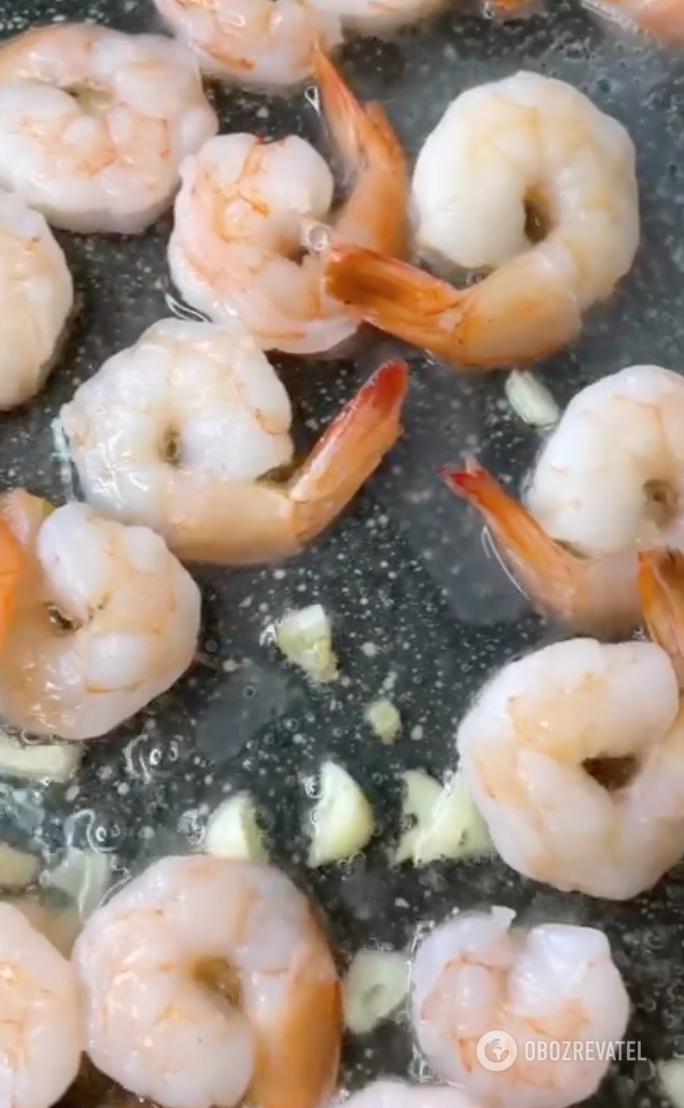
405, 570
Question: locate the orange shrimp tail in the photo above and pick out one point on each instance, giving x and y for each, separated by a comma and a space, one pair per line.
10, 569
542, 568
661, 594
350, 450
394, 296
375, 212
358, 129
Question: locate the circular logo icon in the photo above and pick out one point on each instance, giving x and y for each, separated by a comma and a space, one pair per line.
496, 1051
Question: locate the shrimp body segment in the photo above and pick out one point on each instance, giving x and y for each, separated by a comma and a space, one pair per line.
105, 619
94, 124
41, 1038
551, 983
575, 758
37, 296
243, 211
181, 432
207, 980
262, 44
527, 141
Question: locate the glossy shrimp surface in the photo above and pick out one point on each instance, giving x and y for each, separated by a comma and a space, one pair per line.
37, 296
207, 981
263, 44
182, 431
608, 482
527, 141
575, 753
244, 208
103, 620
391, 1093
551, 983
41, 1038
94, 124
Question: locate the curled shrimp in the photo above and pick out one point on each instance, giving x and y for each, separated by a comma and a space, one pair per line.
399, 1094
183, 431
37, 297
555, 982
41, 1039
245, 205
524, 142
208, 980
94, 124
608, 482
263, 44
575, 754
103, 620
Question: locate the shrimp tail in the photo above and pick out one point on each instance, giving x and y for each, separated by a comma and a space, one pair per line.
394, 296
10, 570
349, 451
661, 594
359, 131
542, 567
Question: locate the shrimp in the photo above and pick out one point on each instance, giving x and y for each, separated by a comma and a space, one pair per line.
183, 432
399, 1094
526, 142
262, 44
94, 124
575, 754
551, 983
245, 205
41, 1039
37, 296
608, 482
209, 980
105, 619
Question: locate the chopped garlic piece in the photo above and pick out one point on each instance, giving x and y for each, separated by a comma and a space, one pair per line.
305, 638
342, 819
447, 823
60, 925
671, 1075
377, 982
383, 717
38, 761
233, 830
17, 868
531, 400
84, 876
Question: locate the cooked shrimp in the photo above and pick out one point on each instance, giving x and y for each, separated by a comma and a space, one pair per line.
94, 124
608, 482
551, 983
575, 754
182, 431
37, 297
524, 142
263, 44
243, 209
10, 574
105, 619
41, 1039
399, 1094
209, 980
